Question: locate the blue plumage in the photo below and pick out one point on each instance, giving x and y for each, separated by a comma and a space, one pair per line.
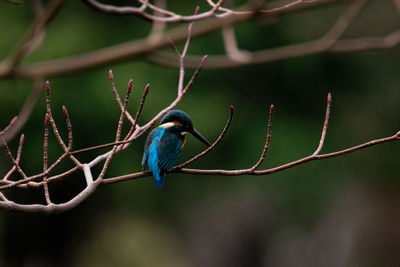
164, 143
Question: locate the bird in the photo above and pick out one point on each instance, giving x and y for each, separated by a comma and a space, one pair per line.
164, 144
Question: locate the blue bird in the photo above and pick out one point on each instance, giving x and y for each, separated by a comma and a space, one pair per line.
164, 144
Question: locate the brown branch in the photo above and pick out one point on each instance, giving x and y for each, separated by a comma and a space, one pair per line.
301, 161
269, 133
139, 130
55, 129
19, 152
253, 171
393, 138
8, 151
118, 134
45, 158
115, 91
367, 43
165, 16
92, 185
231, 47
32, 35
158, 28
138, 112
325, 126
69, 127
328, 42
52, 208
131, 49
25, 111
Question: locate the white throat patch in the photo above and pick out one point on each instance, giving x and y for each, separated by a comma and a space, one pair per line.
167, 125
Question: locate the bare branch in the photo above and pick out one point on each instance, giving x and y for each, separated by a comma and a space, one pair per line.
367, 43
219, 139
139, 111
232, 50
55, 129
328, 42
25, 111
45, 158
158, 28
253, 171
325, 126
21, 144
161, 16
269, 132
114, 89
128, 50
118, 134
8, 151
33, 34
301, 161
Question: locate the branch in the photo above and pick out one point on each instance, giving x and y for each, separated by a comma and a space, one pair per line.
31, 38
25, 111
252, 170
45, 158
165, 16
328, 42
127, 51
219, 139
301, 161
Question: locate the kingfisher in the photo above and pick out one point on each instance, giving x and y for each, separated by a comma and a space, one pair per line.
164, 144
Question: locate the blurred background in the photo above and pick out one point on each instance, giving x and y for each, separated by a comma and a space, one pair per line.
343, 211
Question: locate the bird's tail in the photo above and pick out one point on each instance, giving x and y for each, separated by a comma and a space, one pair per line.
158, 179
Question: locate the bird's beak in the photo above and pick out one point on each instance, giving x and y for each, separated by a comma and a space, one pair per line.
198, 135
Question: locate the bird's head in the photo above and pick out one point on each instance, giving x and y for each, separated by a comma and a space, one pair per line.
179, 121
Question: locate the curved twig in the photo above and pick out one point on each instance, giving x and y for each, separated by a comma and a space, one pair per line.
219, 139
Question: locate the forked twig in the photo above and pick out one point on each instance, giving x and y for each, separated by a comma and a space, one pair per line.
219, 139
55, 129
118, 134
114, 89
19, 152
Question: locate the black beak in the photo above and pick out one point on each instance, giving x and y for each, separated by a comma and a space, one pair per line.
198, 135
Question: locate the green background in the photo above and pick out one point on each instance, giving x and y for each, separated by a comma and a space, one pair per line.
342, 211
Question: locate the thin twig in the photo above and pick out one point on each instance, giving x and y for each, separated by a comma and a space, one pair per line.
158, 28
45, 158
328, 42
33, 33
54, 127
231, 47
118, 134
219, 139
325, 126
19, 152
130, 49
26, 110
3, 197
266, 146
138, 112
13, 160
69, 127
114, 89
301, 161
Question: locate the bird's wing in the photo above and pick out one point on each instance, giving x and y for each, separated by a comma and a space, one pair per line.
149, 140
169, 149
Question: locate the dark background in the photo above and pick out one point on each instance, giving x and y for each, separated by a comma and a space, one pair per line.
342, 211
